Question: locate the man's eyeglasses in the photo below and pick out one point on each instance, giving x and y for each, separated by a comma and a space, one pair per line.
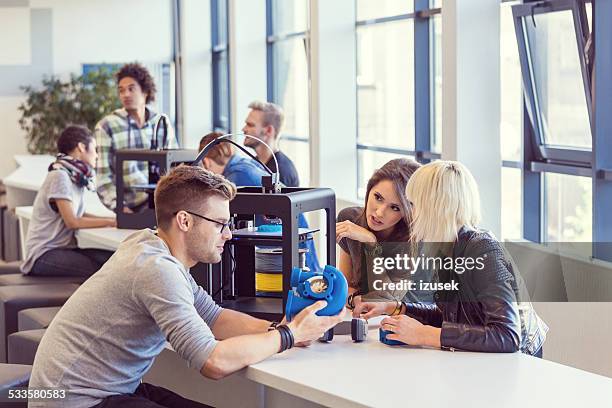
222, 224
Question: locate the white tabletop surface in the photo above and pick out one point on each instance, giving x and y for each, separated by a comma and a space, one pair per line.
103, 238
371, 374
30, 173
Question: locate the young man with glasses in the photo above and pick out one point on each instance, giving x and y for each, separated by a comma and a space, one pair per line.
105, 338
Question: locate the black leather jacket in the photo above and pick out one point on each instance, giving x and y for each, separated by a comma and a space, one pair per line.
489, 312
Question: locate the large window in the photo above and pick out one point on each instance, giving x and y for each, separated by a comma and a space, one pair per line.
553, 121
220, 66
552, 38
288, 77
398, 83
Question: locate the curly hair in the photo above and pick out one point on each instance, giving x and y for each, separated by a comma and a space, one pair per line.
141, 75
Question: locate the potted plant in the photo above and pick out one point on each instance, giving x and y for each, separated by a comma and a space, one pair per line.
82, 100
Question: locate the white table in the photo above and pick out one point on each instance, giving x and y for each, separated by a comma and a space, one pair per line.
101, 238
343, 374
23, 183
371, 374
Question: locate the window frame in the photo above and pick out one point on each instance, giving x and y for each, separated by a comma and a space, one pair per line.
219, 52
272, 40
549, 157
423, 84
537, 162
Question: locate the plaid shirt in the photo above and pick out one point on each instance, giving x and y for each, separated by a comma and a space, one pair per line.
119, 131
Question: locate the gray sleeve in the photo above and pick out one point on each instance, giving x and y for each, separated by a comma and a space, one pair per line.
168, 297
348, 214
60, 185
208, 310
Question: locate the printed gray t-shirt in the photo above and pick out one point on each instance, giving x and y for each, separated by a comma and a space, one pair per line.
47, 229
106, 336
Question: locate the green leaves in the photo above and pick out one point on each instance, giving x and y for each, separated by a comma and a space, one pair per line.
83, 100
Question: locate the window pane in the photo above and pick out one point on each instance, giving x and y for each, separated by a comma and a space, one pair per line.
589, 13
220, 6
385, 84
558, 79
511, 89
221, 91
367, 162
289, 16
568, 208
367, 9
512, 207
291, 85
436, 64
299, 153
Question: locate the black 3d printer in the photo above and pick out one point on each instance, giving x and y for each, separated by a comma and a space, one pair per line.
232, 282
160, 159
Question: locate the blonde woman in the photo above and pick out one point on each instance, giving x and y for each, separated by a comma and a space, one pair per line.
485, 311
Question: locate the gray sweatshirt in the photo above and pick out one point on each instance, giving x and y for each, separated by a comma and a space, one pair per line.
106, 336
47, 229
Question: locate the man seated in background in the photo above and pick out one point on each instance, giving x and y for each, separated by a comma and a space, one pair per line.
223, 159
265, 121
243, 171
107, 335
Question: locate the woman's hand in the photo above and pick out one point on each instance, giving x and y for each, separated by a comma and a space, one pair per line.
368, 310
347, 229
411, 331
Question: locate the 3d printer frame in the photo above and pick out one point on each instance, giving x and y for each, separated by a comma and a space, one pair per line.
160, 161
238, 261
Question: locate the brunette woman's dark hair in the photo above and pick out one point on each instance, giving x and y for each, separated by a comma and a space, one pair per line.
397, 171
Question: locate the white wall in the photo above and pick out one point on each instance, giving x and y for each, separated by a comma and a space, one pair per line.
78, 32
13, 140
471, 97
247, 42
108, 31
197, 71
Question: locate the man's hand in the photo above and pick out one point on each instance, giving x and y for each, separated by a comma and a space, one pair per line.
307, 326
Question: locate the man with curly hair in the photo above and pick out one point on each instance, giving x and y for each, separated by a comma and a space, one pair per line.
130, 127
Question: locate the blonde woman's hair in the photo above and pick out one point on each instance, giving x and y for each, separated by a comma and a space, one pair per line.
444, 197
